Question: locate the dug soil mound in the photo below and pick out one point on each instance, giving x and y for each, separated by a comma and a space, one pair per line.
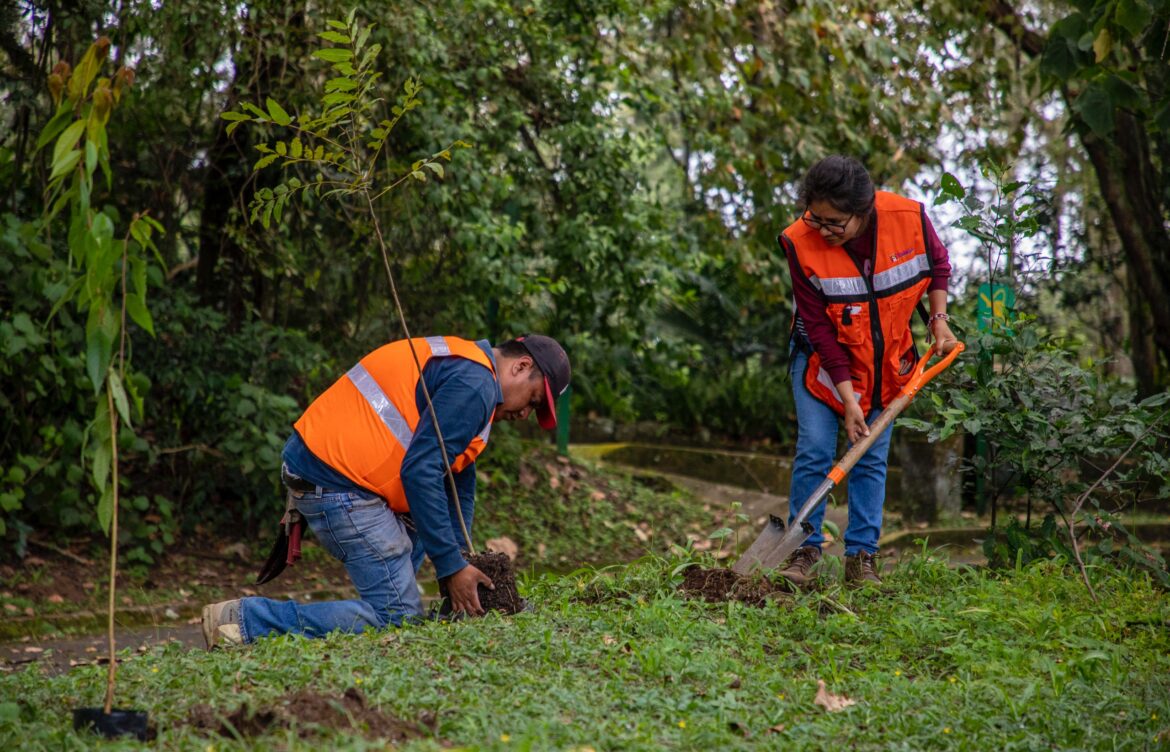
722, 585
498, 567
309, 714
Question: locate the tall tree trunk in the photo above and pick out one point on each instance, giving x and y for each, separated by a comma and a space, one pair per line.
1131, 188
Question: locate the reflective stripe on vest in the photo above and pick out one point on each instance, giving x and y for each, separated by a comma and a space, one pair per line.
381, 405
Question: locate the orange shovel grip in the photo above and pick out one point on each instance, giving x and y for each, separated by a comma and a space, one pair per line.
922, 376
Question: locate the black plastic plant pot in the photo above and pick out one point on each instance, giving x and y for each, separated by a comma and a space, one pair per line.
118, 722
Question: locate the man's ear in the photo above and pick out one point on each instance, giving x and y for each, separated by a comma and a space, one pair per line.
522, 364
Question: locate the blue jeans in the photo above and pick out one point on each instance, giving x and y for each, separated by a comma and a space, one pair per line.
361, 531
816, 447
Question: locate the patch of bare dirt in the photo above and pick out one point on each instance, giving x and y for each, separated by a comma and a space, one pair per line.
309, 714
721, 585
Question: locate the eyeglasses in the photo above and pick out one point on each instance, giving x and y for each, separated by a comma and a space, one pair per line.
815, 222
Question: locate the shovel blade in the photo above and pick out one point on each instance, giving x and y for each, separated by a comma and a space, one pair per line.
792, 540
768, 538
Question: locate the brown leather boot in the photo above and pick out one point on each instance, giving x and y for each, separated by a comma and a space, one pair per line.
862, 569
796, 569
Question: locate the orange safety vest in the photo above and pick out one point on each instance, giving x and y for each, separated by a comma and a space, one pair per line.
871, 313
363, 424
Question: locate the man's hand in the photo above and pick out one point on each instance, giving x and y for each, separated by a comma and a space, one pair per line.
462, 588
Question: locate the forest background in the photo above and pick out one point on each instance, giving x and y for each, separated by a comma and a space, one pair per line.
631, 166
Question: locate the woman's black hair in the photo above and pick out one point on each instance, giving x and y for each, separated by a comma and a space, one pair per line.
842, 181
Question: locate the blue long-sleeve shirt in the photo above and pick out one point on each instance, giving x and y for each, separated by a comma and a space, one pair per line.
465, 394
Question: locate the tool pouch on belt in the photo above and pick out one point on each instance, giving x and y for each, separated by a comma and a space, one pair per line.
287, 548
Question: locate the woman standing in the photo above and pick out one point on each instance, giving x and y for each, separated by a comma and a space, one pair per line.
860, 261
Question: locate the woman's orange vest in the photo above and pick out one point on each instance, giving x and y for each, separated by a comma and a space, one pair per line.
871, 312
363, 424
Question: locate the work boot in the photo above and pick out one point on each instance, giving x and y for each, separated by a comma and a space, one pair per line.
796, 569
861, 569
221, 624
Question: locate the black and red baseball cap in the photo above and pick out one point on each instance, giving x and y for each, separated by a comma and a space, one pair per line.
552, 361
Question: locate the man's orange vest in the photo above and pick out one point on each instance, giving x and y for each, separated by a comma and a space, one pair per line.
363, 424
871, 313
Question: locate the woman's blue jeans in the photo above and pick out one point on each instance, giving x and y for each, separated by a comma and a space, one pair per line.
816, 447
362, 532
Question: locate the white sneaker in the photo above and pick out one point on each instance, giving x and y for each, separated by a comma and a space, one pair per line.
221, 624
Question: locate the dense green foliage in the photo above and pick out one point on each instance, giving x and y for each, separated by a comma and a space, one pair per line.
631, 166
618, 659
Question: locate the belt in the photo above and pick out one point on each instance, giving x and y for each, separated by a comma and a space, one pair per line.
298, 484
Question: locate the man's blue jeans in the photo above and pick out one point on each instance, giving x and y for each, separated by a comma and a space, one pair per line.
362, 532
816, 448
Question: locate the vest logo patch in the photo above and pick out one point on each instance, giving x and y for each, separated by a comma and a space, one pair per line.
895, 257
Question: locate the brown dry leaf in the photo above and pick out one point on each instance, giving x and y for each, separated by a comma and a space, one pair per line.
608, 640
34, 649
642, 535
778, 728
11, 607
597, 495
541, 550
55, 598
527, 477
554, 482
830, 701
504, 545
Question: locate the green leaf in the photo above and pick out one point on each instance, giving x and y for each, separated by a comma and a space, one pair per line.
337, 98
1095, 107
296, 148
435, 167
952, 187
1133, 16
65, 164
98, 353
136, 307
281, 148
56, 125
68, 140
419, 175
105, 510
235, 116
334, 36
254, 110
114, 384
264, 162
340, 84
277, 113
333, 55
337, 24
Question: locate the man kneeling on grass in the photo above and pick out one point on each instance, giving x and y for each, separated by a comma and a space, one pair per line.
364, 469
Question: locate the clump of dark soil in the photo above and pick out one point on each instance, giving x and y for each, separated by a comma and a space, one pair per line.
721, 585
309, 713
498, 567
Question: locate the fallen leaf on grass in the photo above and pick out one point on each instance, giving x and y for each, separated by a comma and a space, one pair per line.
527, 477
830, 701
55, 598
778, 728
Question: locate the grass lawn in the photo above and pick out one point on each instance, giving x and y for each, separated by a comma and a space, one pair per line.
616, 659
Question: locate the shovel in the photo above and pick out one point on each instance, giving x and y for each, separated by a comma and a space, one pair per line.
775, 544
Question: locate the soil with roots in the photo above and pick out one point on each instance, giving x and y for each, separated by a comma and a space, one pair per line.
505, 598
722, 585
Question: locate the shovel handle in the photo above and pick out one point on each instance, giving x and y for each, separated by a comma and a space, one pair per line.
918, 380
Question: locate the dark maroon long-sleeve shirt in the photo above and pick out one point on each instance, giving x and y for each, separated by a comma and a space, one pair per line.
810, 304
